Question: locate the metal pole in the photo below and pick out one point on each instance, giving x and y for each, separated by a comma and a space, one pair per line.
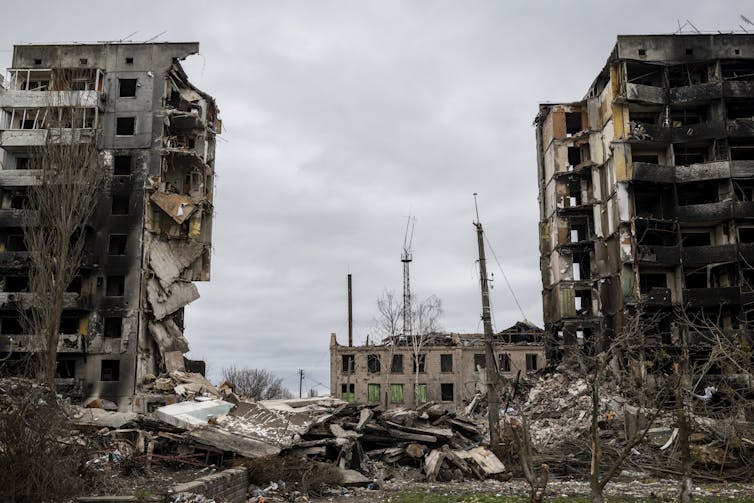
350, 313
300, 383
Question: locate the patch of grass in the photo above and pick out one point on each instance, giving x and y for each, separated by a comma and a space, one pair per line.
413, 497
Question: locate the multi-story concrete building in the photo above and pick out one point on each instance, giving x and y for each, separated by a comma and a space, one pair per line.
450, 367
155, 135
646, 189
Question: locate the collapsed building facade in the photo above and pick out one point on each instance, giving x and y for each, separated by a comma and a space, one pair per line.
646, 190
152, 226
450, 367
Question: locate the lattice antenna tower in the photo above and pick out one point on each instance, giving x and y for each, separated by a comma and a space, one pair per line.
406, 258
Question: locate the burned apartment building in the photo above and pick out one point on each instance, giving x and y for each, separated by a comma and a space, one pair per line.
450, 367
646, 190
150, 236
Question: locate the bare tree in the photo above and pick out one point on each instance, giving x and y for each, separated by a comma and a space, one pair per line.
59, 205
426, 320
389, 313
259, 384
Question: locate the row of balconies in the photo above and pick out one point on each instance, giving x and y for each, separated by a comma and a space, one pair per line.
710, 130
708, 91
24, 343
694, 255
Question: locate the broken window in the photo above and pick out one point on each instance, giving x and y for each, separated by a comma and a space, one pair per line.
120, 204
117, 244
122, 165
419, 361
648, 158
65, 368
125, 126
480, 361
126, 88
739, 109
16, 283
446, 392
644, 74
649, 280
581, 266
397, 365
687, 116
69, 324
113, 327
686, 155
687, 74
116, 286
348, 392
739, 69
420, 393
373, 364
746, 234
75, 285
22, 162
110, 370
373, 392
18, 199
697, 193
504, 362
696, 279
696, 239
15, 242
741, 149
129, 61
396, 393
11, 325
583, 302
574, 156
446, 363
349, 364
531, 361
573, 123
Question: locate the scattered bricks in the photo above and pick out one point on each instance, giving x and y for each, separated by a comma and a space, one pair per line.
229, 485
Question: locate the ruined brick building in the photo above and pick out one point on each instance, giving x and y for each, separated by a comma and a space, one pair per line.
155, 134
451, 367
646, 188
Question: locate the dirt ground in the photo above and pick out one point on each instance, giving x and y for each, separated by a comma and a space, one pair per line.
564, 490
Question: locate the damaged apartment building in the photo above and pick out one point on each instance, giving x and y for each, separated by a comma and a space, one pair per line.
152, 226
646, 189
450, 367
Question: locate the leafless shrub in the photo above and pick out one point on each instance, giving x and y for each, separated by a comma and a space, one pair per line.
38, 462
259, 384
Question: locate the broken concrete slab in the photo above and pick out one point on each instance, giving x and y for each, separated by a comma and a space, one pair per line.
189, 415
177, 206
169, 338
101, 417
165, 302
169, 258
484, 458
231, 442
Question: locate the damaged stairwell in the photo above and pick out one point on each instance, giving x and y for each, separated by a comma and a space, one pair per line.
179, 217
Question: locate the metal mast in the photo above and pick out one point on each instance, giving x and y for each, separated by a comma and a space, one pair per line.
406, 258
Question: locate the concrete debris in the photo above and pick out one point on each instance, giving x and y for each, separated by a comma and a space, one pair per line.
177, 206
167, 301
169, 338
169, 258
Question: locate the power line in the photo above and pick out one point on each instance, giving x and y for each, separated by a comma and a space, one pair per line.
505, 277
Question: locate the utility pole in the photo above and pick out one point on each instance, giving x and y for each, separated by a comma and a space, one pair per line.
493, 378
300, 382
350, 313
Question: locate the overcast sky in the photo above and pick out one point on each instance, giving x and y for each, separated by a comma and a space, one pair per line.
343, 117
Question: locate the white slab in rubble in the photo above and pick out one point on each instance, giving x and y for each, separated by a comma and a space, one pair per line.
189, 415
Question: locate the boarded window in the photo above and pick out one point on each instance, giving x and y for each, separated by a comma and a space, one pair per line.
396, 393
480, 361
420, 393
110, 370
348, 392
446, 363
531, 361
373, 364
419, 361
126, 88
349, 364
446, 392
373, 392
504, 361
397, 366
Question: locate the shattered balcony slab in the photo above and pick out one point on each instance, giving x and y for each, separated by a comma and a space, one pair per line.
165, 302
10, 138
42, 99
189, 415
